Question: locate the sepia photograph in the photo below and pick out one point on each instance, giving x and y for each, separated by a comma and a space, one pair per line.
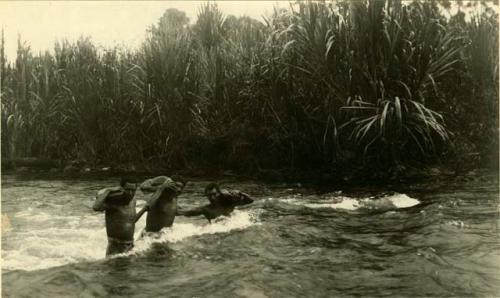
260, 149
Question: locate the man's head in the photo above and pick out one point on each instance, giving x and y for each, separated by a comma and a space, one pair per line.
128, 183
212, 190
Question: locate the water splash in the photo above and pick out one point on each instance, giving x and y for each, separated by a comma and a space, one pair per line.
402, 200
48, 240
239, 220
394, 201
335, 203
54, 240
457, 223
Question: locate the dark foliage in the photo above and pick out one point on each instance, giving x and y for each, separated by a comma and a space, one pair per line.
337, 87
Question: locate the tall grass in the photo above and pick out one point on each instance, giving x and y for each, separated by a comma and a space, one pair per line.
334, 86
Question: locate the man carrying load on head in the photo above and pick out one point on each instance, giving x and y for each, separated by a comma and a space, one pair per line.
162, 205
118, 203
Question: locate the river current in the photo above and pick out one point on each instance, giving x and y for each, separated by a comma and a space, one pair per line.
417, 240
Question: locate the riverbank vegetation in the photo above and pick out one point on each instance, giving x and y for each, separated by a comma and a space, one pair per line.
346, 89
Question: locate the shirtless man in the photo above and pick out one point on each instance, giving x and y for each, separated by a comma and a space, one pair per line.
118, 203
222, 202
162, 205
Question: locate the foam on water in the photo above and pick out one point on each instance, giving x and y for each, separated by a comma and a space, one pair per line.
239, 220
346, 203
403, 201
335, 203
48, 240
394, 201
53, 240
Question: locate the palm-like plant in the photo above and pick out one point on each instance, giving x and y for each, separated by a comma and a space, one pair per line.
312, 86
409, 58
381, 61
393, 126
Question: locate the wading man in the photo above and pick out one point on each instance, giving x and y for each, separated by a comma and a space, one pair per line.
222, 202
162, 205
118, 203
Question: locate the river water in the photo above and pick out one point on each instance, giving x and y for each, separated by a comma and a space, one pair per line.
439, 240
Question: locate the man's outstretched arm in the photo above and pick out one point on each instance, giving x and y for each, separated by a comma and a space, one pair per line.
245, 199
141, 212
190, 213
235, 197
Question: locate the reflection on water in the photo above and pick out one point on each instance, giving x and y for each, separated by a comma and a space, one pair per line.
289, 243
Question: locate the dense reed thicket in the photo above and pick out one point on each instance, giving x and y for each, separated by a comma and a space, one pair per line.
339, 87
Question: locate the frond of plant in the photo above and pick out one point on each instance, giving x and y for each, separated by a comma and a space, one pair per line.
393, 126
